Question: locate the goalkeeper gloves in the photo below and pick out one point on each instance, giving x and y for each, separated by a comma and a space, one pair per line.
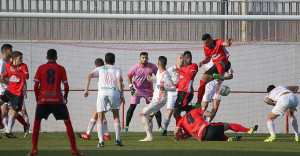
132, 90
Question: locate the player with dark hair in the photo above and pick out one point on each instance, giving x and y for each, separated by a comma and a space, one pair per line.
215, 50
283, 99
50, 99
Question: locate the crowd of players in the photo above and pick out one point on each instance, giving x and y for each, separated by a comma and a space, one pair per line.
173, 86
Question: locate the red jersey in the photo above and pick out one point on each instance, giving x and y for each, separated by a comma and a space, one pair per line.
218, 53
194, 123
50, 76
186, 75
17, 78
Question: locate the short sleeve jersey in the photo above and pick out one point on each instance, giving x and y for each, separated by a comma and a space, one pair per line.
162, 79
185, 78
276, 93
194, 122
108, 79
140, 83
51, 76
16, 82
218, 53
174, 75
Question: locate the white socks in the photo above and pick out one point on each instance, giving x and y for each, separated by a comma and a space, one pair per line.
105, 128
91, 126
166, 122
295, 125
271, 127
100, 131
117, 126
146, 126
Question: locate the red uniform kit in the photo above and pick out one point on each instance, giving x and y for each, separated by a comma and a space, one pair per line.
186, 75
14, 92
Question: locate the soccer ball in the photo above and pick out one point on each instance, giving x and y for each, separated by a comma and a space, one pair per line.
224, 90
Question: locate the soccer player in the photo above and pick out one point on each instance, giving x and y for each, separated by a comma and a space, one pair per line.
164, 84
212, 92
172, 96
110, 95
50, 99
141, 88
283, 99
214, 50
194, 122
17, 72
86, 136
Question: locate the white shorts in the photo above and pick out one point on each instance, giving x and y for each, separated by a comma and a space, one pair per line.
106, 103
24, 105
172, 96
153, 107
285, 102
211, 92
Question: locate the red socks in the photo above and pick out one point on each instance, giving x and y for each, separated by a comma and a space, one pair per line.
35, 133
71, 135
201, 91
238, 128
21, 120
224, 138
220, 68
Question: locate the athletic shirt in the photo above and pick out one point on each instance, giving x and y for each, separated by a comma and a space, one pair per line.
16, 82
174, 75
140, 83
218, 53
50, 76
186, 75
276, 93
194, 122
108, 79
162, 79
2, 71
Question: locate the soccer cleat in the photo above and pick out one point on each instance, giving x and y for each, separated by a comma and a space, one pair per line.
119, 143
160, 129
236, 138
77, 152
270, 139
10, 135
106, 137
125, 129
147, 139
26, 130
100, 144
164, 133
33, 152
218, 76
252, 129
297, 139
197, 105
2, 126
84, 136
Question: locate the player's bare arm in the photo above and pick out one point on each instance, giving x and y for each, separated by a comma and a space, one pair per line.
293, 88
151, 79
120, 81
176, 134
129, 80
87, 85
206, 60
25, 89
228, 77
2, 80
228, 42
269, 101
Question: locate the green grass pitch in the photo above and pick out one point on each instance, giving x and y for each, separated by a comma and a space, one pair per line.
51, 144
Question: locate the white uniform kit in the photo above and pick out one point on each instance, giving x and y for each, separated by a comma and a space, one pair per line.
283, 102
172, 95
3, 86
108, 92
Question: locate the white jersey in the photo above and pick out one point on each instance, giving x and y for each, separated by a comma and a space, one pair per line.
174, 75
163, 79
2, 71
108, 79
276, 93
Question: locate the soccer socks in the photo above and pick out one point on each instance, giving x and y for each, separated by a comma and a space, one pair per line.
271, 127
71, 135
26, 118
158, 118
90, 126
35, 133
100, 130
224, 138
167, 122
146, 126
130, 113
201, 91
221, 68
295, 125
21, 120
5, 122
238, 128
117, 126
105, 128
11, 122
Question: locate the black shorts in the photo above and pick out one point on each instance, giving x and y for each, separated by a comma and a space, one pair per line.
214, 132
59, 111
183, 100
214, 69
15, 100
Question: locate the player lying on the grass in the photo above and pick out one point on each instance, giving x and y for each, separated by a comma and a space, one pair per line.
212, 93
215, 50
163, 84
283, 98
17, 72
86, 136
172, 96
110, 95
194, 122
50, 99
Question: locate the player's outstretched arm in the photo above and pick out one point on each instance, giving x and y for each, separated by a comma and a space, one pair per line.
120, 87
36, 90
87, 85
228, 77
66, 87
269, 101
293, 88
228, 42
206, 60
